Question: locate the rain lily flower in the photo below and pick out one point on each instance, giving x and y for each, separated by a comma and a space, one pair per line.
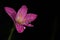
21, 18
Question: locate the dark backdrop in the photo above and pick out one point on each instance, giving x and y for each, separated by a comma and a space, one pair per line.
45, 26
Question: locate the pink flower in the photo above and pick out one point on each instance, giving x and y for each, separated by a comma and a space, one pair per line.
21, 18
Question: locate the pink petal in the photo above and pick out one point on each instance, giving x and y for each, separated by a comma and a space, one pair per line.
20, 28
22, 12
29, 25
11, 12
30, 17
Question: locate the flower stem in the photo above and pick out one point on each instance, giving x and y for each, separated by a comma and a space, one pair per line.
12, 30
54, 29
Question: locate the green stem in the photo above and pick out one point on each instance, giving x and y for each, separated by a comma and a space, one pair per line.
12, 30
54, 29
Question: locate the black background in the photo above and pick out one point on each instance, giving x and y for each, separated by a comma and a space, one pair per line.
45, 26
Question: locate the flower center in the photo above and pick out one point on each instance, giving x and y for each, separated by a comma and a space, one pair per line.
20, 20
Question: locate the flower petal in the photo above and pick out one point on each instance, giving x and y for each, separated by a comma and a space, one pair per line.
22, 12
11, 12
29, 25
20, 28
30, 17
